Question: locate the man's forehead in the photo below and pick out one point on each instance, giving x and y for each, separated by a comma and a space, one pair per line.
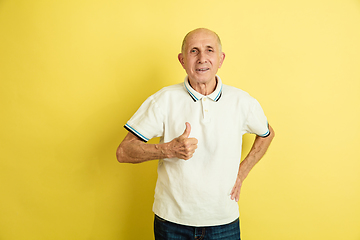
201, 37
193, 38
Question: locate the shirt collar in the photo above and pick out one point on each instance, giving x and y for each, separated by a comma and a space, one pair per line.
215, 95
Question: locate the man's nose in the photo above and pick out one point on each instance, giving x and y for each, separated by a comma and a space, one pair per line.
202, 58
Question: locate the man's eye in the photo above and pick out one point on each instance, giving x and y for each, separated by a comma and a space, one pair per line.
210, 50
193, 51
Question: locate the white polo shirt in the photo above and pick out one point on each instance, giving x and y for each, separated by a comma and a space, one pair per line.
196, 192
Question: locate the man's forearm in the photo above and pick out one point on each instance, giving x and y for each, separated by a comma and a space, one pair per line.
257, 151
132, 150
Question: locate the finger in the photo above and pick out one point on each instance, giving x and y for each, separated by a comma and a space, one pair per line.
237, 197
233, 193
187, 130
192, 141
188, 156
236, 194
189, 149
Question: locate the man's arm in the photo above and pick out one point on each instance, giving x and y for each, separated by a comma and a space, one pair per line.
133, 150
257, 151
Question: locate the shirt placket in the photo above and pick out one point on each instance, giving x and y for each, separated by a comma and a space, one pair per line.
205, 109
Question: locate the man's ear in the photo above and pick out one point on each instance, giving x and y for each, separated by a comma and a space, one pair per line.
181, 59
222, 58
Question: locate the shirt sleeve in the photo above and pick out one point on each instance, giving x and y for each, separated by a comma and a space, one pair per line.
256, 120
147, 122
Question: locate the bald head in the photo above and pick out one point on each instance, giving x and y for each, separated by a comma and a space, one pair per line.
197, 31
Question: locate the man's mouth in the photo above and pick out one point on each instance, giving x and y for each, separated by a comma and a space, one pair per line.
202, 69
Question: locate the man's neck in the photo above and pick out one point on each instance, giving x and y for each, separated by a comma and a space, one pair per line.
204, 88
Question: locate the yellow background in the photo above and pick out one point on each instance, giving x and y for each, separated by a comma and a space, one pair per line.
73, 72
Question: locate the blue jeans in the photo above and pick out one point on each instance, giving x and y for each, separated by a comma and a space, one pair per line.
165, 230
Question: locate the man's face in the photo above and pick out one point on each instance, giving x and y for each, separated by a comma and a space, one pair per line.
201, 57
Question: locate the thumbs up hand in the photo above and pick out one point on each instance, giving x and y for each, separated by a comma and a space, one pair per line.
187, 131
184, 147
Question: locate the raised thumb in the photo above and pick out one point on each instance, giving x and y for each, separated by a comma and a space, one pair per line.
187, 130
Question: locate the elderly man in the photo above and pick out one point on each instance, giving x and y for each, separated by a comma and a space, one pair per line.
199, 170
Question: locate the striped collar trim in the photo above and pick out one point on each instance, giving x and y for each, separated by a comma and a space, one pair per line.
196, 96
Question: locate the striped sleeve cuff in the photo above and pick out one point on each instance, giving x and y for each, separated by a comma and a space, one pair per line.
136, 133
267, 133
